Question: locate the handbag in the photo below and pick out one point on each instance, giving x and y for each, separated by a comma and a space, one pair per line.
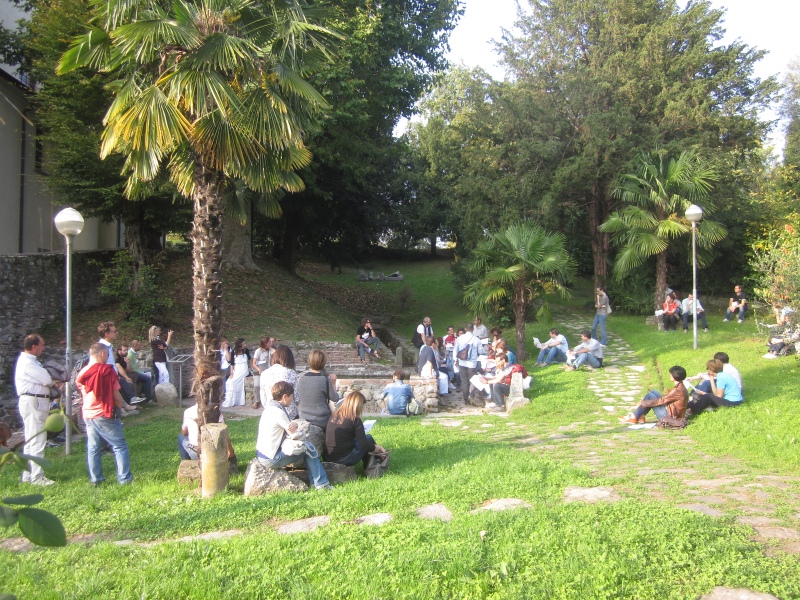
672, 423
377, 465
608, 309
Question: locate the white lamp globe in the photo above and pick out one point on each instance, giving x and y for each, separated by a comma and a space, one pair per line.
69, 222
694, 213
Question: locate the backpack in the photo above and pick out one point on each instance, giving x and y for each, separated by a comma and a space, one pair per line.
415, 407
416, 339
516, 368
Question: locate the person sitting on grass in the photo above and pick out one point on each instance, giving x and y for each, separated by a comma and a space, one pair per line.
272, 429
724, 390
727, 367
346, 442
189, 439
554, 350
672, 405
398, 394
588, 352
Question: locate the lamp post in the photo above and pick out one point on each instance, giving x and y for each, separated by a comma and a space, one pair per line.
69, 223
694, 214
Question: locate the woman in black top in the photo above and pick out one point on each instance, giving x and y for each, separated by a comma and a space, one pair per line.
346, 442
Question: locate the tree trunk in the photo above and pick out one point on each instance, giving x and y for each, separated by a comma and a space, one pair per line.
142, 239
289, 245
661, 279
207, 230
214, 471
599, 209
433, 245
237, 250
520, 306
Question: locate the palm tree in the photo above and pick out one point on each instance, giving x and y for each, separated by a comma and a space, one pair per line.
518, 264
209, 92
658, 195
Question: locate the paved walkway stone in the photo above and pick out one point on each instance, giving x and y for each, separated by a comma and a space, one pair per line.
591, 495
303, 525
724, 593
702, 508
435, 511
502, 504
376, 519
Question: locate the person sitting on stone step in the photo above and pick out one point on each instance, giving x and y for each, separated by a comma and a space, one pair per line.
398, 394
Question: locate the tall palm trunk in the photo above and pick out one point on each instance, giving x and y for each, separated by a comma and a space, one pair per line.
598, 209
207, 230
661, 278
520, 305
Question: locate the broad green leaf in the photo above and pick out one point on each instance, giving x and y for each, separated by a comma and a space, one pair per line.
8, 516
28, 500
56, 423
42, 528
42, 462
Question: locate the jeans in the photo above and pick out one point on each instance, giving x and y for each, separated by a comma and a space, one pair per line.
499, 392
126, 390
34, 412
551, 355
586, 357
371, 342
358, 454
660, 411
110, 430
701, 316
742, 310
146, 379
601, 321
316, 473
186, 451
706, 400
670, 321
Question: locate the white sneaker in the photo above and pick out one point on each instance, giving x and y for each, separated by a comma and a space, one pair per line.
770, 355
725, 320
42, 480
26, 477
740, 321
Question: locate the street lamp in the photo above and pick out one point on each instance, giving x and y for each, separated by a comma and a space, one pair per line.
69, 223
694, 214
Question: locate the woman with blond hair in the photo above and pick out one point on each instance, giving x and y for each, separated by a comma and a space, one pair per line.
282, 369
346, 442
160, 351
315, 390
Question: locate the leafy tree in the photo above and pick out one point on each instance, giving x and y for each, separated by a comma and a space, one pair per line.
519, 263
206, 92
657, 196
790, 110
775, 264
613, 76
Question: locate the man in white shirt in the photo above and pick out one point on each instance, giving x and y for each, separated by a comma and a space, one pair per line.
588, 352
466, 351
108, 335
554, 350
480, 330
33, 388
688, 307
425, 330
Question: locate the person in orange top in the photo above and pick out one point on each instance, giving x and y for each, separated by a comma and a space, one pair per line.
671, 313
673, 404
102, 400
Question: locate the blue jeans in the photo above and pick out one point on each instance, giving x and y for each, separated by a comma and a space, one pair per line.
127, 389
316, 473
146, 379
358, 454
110, 430
660, 412
372, 342
601, 321
186, 451
586, 357
551, 355
742, 310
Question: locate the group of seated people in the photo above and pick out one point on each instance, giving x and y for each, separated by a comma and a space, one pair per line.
784, 335
674, 310
720, 385
556, 350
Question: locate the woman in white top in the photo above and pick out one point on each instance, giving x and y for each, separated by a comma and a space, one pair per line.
262, 358
282, 369
234, 386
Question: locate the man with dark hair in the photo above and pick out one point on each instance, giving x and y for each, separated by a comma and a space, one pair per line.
398, 394
589, 352
724, 390
554, 350
33, 383
601, 304
466, 351
108, 335
480, 330
672, 405
736, 304
135, 371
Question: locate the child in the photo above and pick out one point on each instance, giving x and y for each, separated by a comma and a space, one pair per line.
272, 430
398, 394
672, 405
100, 386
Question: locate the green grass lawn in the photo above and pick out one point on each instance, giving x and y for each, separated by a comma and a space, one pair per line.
641, 547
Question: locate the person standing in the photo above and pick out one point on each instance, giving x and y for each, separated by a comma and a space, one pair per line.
688, 307
367, 341
736, 304
480, 330
33, 388
602, 306
107, 332
423, 332
466, 351
101, 398
240, 368
159, 347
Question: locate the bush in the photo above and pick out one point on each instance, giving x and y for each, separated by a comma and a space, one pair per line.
633, 293
136, 291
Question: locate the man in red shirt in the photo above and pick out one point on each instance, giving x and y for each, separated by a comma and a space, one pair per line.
101, 401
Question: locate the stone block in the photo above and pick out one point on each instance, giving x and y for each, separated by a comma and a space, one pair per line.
189, 471
260, 480
336, 473
166, 394
516, 397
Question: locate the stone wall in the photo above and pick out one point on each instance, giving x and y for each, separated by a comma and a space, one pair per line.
32, 293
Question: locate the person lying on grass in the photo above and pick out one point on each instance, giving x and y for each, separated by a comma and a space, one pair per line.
346, 442
673, 404
274, 449
724, 390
